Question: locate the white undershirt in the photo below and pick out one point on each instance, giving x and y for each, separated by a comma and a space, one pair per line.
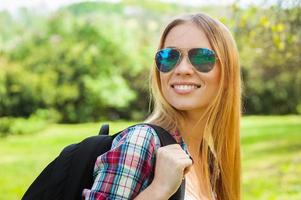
188, 197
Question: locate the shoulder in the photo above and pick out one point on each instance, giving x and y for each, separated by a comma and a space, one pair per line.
138, 135
127, 168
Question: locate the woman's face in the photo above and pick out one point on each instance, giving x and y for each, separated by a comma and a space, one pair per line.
184, 87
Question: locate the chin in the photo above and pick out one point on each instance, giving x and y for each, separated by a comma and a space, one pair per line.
188, 106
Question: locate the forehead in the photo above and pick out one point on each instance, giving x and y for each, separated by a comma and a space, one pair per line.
186, 35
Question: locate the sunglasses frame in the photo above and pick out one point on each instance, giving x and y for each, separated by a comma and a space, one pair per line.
185, 52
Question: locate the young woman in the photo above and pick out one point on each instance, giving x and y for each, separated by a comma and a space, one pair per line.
196, 89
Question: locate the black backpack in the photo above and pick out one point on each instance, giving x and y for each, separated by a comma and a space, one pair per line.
72, 171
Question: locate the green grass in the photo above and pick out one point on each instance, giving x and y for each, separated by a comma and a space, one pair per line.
271, 153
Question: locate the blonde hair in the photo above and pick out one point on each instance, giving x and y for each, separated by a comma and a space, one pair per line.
221, 137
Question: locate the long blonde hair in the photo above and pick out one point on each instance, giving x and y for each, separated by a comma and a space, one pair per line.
221, 136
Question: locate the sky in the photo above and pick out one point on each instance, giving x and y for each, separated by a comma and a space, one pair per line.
13, 5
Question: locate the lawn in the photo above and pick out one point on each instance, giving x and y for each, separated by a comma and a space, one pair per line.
271, 152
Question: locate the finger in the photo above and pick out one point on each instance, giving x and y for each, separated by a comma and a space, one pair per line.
173, 146
186, 163
177, 150
174, 152
183, 156
183, 153
187, 169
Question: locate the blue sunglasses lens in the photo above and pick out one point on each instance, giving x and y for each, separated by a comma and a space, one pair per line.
202, 59
166, 59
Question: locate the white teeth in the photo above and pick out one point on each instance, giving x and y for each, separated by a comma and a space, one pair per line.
185, 87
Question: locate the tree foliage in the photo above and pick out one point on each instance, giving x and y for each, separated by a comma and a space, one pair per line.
90, 61
270, 46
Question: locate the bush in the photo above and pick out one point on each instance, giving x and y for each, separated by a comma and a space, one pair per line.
5, 126
21, 126
49, 115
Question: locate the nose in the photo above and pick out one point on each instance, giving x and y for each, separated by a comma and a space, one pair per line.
184, 67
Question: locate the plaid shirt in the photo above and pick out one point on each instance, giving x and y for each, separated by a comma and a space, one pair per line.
127, 169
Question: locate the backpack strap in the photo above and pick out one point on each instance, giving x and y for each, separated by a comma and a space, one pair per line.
167, 139
164, 135
104, 130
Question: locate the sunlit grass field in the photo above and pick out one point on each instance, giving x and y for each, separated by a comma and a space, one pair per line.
271, 156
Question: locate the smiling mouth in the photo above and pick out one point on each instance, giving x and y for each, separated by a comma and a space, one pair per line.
185, 86
183, 89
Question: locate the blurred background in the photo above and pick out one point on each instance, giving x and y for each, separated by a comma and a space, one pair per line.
68, 66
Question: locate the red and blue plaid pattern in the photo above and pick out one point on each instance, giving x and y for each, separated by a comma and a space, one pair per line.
127, 169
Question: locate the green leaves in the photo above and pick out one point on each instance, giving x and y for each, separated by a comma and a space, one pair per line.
76, 67
269, 47
91, 60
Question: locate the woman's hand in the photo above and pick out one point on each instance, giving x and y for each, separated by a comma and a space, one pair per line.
172, 163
